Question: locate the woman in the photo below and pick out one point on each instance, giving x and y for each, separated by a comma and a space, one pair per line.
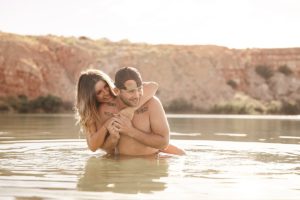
95, 87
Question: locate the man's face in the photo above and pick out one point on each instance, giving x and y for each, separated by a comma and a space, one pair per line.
132, 94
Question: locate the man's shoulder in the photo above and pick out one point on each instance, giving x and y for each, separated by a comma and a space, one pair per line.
151, 105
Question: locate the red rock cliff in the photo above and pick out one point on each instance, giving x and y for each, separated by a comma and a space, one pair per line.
199, 74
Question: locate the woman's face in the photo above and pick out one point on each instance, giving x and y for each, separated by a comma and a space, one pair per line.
103, 94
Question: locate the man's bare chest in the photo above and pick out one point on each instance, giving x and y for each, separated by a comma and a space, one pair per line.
141, 119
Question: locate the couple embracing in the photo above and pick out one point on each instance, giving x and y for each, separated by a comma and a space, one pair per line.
124, 117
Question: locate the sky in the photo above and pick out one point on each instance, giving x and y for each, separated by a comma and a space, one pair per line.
230, 23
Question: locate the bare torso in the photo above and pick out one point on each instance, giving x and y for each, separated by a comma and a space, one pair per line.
141, 121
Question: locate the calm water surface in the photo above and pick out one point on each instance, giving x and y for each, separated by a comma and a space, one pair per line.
229, 157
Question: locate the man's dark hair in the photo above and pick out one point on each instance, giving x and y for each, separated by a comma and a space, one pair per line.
127, 73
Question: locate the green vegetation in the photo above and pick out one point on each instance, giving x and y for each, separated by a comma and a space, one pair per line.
291, 107
243, 104
41, 104
49, 104
240, 104
3, 106
232, 83
274, 107
125, 41
180, 106
70, 40
84, 38
285, 70
264, 71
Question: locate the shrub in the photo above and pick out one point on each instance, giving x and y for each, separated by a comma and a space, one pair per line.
241, 104
84, 38
285, 70
12, 102
19, 103
290, 108
3, 106
49, 104
274, 107
179, 105
23, 104
232, 83
264, 71
67, 106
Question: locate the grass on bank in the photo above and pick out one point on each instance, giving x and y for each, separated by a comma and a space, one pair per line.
243, 104
240, 104
41, 104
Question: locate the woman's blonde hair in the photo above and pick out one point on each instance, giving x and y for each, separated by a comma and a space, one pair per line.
86, 106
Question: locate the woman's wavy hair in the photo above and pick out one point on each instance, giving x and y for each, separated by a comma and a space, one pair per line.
86, 104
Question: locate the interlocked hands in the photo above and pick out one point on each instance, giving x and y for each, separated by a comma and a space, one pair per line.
122, 124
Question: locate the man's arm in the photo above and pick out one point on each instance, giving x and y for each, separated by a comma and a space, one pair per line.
159, 137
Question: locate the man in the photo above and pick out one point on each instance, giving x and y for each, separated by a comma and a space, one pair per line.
147, 132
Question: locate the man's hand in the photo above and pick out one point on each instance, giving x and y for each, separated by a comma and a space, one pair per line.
123, 124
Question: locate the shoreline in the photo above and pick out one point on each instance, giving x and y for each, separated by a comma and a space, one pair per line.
177, 115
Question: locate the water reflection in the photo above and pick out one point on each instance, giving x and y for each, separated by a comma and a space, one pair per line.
124, 175
283, 129
235, 129
41, 157
38, 126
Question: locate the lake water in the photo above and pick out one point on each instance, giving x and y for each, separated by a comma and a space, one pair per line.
229, 157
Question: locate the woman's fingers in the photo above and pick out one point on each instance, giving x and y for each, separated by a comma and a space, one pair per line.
111, 122
120, 123
118, 120
117, 124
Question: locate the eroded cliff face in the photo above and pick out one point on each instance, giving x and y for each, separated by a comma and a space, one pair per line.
35, 66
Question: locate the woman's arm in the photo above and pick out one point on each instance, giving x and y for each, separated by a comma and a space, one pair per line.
112, 140
96, 137
149, 89
172, 149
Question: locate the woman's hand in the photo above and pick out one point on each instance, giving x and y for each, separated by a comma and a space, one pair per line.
113, 130
123, 125
108, 123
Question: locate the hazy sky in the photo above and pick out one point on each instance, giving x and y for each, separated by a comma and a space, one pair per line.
231, 23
